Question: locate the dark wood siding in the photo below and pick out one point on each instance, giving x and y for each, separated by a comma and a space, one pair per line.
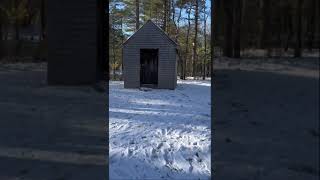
72, 41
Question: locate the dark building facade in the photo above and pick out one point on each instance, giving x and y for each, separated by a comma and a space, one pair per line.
76, 50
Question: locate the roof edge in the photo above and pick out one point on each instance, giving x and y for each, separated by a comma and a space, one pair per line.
150, 21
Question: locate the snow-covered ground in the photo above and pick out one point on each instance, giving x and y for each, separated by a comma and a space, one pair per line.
160, 134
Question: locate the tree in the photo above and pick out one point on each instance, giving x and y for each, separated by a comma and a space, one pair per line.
214, 37
116, 35
43, 19
205, 42
137, 15
1, 37
177, 25
228, 21
237, 27
165, 18
16, 14
297, 50
195, 40
187, 42
180, 19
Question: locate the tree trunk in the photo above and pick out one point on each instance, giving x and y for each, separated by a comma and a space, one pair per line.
43, 20
261, 24
187, 44
164, 27
297, 50
237, 26
137, 15
168, 15
181, 60
122, 41
195, 55
173, 12
266, 25
228, 50
316, 25
1, 41
114, 56
1, 34
311, 29
178, 24
17, 30
205, 44
17, 38
214, 14
243, 28
288, 29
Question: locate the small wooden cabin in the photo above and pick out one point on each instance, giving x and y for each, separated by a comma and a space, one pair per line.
150, 59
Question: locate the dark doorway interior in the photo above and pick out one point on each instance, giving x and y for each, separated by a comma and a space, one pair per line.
149, 67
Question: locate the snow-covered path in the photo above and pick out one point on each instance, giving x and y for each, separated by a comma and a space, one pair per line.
160, 134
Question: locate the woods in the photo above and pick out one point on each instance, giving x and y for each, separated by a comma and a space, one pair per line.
184, 21
22, 29
267, 28
275, 28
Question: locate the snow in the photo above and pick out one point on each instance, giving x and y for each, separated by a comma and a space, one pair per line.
160, 134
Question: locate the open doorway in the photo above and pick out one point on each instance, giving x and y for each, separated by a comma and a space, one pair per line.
149, 67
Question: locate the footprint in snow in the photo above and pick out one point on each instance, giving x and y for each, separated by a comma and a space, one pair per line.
190, 163
164, 132
130, 152
160, 145
154, 153
131, 142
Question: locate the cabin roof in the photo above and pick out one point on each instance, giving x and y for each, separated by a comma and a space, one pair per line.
156, 27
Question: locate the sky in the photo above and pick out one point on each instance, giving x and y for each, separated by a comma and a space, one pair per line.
208, 6
184, 14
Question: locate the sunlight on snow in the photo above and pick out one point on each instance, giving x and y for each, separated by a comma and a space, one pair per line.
160, 133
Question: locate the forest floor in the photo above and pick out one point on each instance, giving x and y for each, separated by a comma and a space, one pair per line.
160, 134
266, 118
49, 132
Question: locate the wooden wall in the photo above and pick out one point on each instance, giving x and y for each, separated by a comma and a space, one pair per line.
150, 37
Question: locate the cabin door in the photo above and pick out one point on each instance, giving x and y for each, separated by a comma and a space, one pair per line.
149, 66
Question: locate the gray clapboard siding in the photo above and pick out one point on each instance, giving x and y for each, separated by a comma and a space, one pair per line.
150, 36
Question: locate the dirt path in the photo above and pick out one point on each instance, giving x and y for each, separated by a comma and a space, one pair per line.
49, 132
266, 122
